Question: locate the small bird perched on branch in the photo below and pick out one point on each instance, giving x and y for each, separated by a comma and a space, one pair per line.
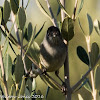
52, 50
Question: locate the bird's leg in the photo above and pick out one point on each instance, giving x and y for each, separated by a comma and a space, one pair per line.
57, 74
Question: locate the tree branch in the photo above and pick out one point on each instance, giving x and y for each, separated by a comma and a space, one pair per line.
54, 21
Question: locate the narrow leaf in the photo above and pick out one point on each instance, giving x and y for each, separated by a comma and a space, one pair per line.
27, 94
6, 11
0, 16
47, 92
82, 55
29, 84
19, 69
42, 9
58, 11
80, 25
8, 65
22, 89
97, 78
67, 30
81, 6
27, 4
34, 84
97, 26
63, 8
14, 5
39, 31
21, 18
90, 24
80, 97
94, 54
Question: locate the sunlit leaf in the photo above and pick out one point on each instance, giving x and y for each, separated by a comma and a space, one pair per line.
97, 26
34, 84
81, 6
94, 54
27, 4
97, 77
90, 24
14, 5
67, 30
6, 11
8, 65
82, 55
0, 16
19, 69
21, 18
80, 97
0, 35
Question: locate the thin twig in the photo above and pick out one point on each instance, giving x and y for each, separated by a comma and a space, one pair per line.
54, 21
74, 12
3, 75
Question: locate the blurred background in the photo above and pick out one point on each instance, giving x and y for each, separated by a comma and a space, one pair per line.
77, 68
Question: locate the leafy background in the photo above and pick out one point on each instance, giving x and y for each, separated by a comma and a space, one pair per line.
77, 68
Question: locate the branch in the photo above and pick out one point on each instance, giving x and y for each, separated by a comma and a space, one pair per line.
74, 12
81, 80
54, 21
3, 75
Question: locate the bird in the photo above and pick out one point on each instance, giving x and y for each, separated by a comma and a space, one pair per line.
53, 50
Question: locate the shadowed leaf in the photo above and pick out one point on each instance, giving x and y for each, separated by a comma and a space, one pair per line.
90, 24
94, 54
14, 5
81, 6
97, 77
19, 69
82, 55
97, 26
67, 30
21, 18
30, 29
6, 11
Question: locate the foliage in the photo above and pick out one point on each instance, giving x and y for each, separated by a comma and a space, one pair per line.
18, 76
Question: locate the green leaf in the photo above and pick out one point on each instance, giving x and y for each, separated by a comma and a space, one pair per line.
67, 30
39, 31
0, 36
42, 9
63, 8
34, 84
19, 69
6, 11
8, 65
30, 29
94, 54
29, 84
81, 6
27, 94
87, 85
21, 18
34, 51
90, 24
0, 16
14, 5
97, 26
22, 89
80, 97
97, 77
82, 55
80, 25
